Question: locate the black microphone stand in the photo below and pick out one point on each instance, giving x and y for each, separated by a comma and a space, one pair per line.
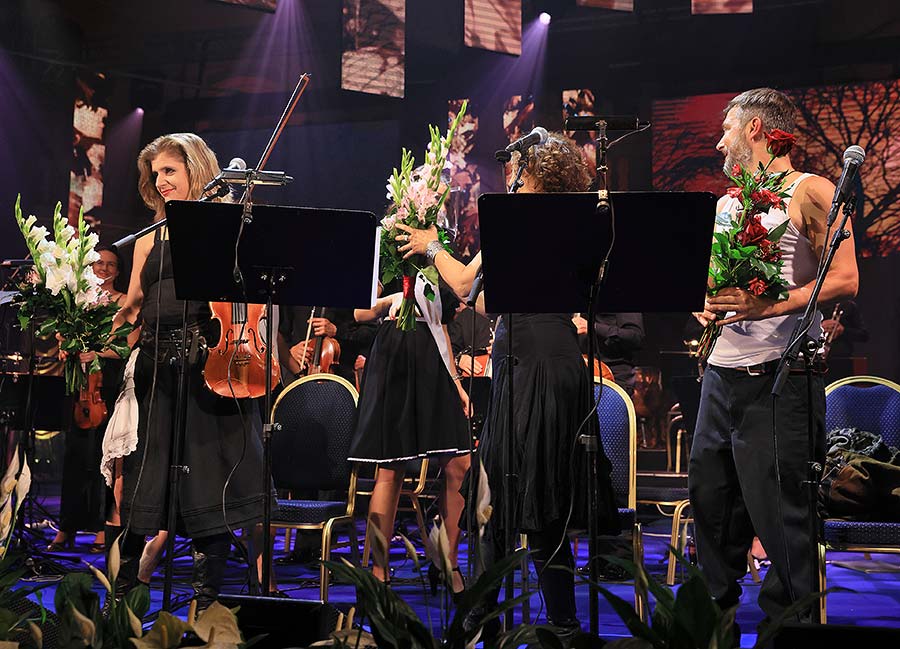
802, 343
511, 477
590, 439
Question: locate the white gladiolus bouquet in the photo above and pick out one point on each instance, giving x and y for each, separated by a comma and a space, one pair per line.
63, 295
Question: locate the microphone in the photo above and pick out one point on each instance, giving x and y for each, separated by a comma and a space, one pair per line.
477, 286
613, 123
538, 135
236, 164
853, 159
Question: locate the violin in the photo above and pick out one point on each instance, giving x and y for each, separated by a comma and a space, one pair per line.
326, 351
90, 408
236, 366
601, 369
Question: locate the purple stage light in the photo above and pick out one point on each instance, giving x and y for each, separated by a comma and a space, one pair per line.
544, 18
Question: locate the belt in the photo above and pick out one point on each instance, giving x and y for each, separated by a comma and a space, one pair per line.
769, 367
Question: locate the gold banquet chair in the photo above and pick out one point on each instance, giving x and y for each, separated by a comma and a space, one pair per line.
872, 404
314, 420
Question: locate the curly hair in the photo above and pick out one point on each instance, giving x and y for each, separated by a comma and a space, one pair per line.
200, 160
558, 165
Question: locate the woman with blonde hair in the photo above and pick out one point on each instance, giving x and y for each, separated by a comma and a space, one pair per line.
222, 442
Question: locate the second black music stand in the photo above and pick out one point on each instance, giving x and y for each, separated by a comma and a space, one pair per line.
542, 253
289, 256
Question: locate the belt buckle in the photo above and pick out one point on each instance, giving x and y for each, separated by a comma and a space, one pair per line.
755, 370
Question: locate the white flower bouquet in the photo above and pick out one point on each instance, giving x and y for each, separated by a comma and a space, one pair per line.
416, 201
62, 294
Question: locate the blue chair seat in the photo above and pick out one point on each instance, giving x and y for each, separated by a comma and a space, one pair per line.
867, 533
662, 494
307, 512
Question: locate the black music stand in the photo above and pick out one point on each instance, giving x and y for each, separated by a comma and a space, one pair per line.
565, 239
289, 256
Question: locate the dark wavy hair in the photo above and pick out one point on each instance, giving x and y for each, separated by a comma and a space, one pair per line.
558, 165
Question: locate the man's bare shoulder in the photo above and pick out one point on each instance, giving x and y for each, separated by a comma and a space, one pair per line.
815, 192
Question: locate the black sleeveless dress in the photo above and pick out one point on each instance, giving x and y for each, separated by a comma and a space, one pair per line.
409, 407
550, 400
220, 434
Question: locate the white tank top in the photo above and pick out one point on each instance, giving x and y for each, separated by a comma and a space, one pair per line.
758, 341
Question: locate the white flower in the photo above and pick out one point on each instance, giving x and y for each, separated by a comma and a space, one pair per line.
91, 256
92, 240
37, 235
58, 277
388, 222
68, 233
88, 275
88, 297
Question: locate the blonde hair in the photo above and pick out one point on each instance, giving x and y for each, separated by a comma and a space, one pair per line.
200, 161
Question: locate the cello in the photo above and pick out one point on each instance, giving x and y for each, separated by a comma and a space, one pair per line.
236, 366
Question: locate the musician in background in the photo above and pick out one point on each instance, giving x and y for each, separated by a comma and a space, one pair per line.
465, 346
843, 330
354, 339
619, 336
83, 498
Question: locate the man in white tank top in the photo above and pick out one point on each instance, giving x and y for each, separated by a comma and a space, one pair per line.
733, 488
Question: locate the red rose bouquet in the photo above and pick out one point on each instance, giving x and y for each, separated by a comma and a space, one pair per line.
745, 254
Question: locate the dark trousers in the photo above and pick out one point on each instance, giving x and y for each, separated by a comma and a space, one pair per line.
733, 489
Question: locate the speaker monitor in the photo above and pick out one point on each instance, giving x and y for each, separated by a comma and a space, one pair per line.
284, 622
835, 636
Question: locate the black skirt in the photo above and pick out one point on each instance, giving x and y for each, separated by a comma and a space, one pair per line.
551, 398
220, 435
409, 407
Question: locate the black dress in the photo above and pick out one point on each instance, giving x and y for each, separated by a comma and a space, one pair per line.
409, 407
219, 435
551, 399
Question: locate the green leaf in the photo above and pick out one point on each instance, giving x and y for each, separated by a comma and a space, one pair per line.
776, 233
695, 611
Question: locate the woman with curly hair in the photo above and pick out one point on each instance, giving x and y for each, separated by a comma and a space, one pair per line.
551, 399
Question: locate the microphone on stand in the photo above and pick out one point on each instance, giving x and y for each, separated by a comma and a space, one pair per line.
538, 135
853, 159
477, 286
236, 164
613, 123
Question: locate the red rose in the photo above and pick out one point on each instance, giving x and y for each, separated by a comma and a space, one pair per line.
757, 287
736, 170
779, 143
734, 192
769, 251
753, 232
766, 198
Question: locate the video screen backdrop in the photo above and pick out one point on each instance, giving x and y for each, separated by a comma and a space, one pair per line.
88, 148
374, 47
831, 118
721, 6
494, 25
265, 5
580, 103
616, 5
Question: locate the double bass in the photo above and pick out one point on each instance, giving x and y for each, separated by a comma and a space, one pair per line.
236, 366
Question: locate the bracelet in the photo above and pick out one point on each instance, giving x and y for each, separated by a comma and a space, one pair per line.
432, 250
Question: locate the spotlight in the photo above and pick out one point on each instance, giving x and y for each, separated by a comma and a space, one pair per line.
139, 110
544, 18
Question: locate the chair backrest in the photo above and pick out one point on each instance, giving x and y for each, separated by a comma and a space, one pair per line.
317, 416
618, 431
868, 403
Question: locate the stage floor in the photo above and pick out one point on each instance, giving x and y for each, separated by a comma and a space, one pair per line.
875, 602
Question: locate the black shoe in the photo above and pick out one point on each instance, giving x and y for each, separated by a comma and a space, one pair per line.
489, 631
565, 630
606, 572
